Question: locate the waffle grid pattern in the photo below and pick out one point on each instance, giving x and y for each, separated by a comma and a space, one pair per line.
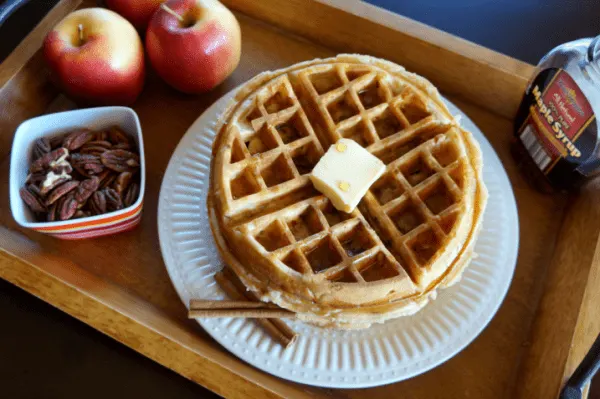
316, 238
274, 144
406, 215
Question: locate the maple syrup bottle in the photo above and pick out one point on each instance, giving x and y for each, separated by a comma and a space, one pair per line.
556, 141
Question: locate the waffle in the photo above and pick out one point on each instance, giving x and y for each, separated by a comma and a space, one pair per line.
413, 231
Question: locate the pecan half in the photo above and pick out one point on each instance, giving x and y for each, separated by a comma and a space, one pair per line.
67, 206
78, 176
41, 147
34, 189
78, 138
52, 181
35, 178
122, 182
61, 191
117, 136
81, 214
32, 200
100, 143
120, 160
101, 135
113, 200
131, 195
97, 203
122, 146
56, 141
85, 190
87, 164
109, 180
95, 147
61, 167
92, 150
43, 163
107, 177
52, 212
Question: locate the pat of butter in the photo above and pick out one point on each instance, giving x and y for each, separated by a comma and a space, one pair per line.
345, 173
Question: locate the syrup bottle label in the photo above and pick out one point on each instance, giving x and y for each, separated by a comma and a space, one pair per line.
557, 125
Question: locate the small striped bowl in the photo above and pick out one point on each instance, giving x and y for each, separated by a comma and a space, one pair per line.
60, 123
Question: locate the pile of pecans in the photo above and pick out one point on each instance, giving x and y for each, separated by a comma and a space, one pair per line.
82, 173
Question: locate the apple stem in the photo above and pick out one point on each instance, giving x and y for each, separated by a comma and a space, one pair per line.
80, 30
170, 11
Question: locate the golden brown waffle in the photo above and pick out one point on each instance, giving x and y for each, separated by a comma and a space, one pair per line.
413, 231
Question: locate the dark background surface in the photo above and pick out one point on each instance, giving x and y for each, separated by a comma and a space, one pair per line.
47, 354
524, 29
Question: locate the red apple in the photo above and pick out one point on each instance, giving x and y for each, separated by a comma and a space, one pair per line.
193, 44
138, 12
96, 55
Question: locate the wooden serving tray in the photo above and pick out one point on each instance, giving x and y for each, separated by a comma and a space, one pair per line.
119, 284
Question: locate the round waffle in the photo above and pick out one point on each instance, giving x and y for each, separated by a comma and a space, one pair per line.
412, 232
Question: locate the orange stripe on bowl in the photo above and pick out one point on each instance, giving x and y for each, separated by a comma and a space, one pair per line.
96, 226
84, 224
98, 232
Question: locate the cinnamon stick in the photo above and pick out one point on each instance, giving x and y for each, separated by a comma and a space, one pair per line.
203, 304
234, 288
242, 312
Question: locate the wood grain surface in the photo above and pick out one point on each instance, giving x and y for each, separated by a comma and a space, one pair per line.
456, 66
567, 321
119, 284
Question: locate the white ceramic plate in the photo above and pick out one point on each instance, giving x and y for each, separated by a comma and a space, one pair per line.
394, 351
